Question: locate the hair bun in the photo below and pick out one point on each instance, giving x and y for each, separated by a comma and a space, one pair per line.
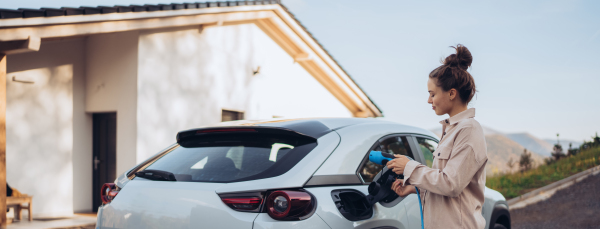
461, 59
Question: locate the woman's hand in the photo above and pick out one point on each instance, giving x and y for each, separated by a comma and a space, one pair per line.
397, 165
402, 190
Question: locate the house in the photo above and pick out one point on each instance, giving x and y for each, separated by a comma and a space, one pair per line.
92, 91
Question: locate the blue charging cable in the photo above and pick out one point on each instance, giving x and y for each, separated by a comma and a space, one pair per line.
420, 207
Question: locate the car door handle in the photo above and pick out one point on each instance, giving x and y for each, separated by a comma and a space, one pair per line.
96, 162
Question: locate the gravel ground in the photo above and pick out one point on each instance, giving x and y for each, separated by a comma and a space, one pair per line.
577, 206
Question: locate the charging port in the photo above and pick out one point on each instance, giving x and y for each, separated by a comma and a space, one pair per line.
352, 204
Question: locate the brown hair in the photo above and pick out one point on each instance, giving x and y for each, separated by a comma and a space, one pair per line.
453, 73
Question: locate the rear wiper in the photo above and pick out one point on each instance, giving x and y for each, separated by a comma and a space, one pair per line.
156, 175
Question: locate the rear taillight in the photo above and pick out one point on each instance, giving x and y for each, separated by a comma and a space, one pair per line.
280, 205
108, 192
290, 205
243, 203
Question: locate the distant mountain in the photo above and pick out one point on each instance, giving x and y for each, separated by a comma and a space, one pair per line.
490, 131
502, 147
486, 131
564, 143
532, 143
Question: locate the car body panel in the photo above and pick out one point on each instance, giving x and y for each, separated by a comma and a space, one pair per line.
122, 180
331, 123
382, 216
492, 198
174, 205
339, 123
264, 221
413, 213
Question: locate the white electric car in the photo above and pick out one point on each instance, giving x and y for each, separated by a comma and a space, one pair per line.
304, 173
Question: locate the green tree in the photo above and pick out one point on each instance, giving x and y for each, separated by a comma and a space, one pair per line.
557, 151
594, 143
526, 162
510, 164
572, 151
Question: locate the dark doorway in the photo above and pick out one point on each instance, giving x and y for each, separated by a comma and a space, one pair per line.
104, 154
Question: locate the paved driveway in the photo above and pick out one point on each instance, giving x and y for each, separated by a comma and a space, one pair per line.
577, 206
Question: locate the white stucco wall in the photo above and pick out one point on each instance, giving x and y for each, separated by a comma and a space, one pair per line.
39, 124
111, 86
186, 76
82, 142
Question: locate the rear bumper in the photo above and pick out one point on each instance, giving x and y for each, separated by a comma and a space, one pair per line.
99, 217
264, 221
99, 222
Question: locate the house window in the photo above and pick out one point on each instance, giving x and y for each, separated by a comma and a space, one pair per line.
227, 115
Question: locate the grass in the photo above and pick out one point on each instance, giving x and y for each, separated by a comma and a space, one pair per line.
516, 184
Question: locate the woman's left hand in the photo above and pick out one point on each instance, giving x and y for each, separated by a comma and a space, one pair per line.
398, 164
402, 190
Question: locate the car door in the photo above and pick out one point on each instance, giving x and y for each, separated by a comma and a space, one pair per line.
390, 212
349, 209
424, 153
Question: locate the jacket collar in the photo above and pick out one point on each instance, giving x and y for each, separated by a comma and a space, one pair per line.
469, 113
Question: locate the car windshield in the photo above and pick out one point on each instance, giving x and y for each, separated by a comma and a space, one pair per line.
231, 158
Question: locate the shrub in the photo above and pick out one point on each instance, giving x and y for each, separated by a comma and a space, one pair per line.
513, 185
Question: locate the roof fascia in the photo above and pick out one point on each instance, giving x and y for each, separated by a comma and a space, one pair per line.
111, 26
40, 21
305, 55
339, 76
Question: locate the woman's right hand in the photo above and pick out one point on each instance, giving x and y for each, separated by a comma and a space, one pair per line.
402, 190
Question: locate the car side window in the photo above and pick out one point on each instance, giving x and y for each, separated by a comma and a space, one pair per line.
427, 146
392, 145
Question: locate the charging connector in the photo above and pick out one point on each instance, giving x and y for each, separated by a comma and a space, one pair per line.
379, 189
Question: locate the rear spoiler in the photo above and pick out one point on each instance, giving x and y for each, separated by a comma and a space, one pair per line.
312, 129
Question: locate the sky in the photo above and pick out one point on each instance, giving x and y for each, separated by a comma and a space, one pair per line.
536, 64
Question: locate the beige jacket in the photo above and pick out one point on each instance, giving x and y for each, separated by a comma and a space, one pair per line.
452, 190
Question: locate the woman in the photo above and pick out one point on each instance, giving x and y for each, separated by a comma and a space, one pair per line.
452, 189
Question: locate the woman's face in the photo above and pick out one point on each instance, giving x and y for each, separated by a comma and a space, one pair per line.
439, 99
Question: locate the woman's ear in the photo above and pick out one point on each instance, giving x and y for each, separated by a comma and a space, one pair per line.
452, 94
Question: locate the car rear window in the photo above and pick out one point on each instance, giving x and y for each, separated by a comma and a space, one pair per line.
234, 157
